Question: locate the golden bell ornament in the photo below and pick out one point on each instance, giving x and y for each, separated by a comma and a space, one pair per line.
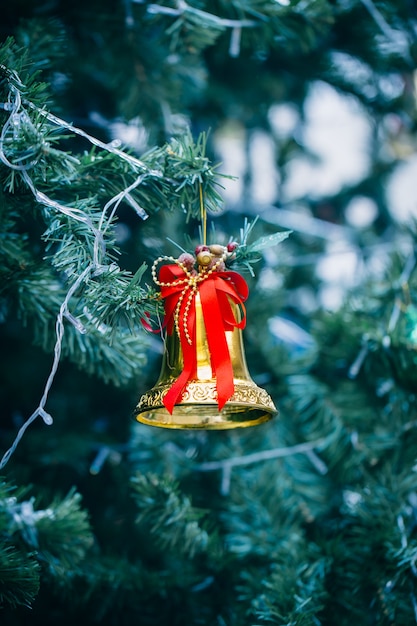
198, 405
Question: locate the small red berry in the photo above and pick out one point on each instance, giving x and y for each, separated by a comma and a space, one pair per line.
232, 245
201, 248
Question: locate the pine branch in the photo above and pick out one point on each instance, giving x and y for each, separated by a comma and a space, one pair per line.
295, 596
35, 541
19, 578
64, 536
169, 516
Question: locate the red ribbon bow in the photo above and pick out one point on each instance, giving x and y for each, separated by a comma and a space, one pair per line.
217, 290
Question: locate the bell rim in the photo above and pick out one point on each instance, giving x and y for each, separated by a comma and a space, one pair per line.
204, 393
223, 425
269, 408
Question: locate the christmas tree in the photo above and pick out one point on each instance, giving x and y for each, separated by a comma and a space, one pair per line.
117, 120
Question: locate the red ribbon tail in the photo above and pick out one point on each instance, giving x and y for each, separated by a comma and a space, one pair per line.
175, 391
217, 343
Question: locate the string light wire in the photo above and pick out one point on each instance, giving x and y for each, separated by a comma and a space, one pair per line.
59, 328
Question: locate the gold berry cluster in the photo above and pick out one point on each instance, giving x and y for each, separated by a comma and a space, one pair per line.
208, 258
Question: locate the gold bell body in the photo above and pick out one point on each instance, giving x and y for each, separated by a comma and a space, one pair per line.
198, 408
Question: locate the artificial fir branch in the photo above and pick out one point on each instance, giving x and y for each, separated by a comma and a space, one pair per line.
298, 597
170, 517
54, 540
19, 577
64, 536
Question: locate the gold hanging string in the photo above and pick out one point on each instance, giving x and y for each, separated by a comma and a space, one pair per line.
203, 215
